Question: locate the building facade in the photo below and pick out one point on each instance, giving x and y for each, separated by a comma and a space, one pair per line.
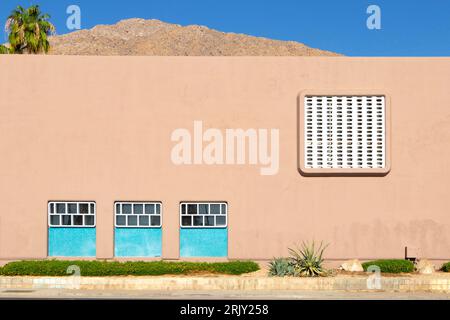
223, 157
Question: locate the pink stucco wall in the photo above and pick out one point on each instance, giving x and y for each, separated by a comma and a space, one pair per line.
99, 128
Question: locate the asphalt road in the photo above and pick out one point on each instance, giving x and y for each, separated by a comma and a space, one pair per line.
205, 295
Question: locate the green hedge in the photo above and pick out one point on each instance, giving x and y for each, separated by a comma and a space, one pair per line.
446, 267
391, 265
114, 268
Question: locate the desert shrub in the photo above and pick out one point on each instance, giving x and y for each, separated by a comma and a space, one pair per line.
307, 260
280, 267
446, 267
114, 268
391, 265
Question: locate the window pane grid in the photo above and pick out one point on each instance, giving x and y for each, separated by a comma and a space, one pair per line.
203, 214
344, 132
138, 214
71, 214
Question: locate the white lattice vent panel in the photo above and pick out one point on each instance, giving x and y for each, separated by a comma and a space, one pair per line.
344, 132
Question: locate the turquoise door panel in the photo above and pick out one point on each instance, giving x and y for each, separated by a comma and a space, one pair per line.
204, 242
137, 242
71, 242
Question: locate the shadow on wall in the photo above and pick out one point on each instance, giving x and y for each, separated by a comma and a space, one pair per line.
388, 239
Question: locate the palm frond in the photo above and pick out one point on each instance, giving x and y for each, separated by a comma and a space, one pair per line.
28, 30
4, 49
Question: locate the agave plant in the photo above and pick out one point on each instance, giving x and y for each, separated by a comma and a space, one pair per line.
280, 267
307, 260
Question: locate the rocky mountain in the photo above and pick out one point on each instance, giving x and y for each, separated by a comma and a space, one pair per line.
142, 37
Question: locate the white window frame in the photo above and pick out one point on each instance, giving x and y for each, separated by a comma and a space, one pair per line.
204, 215
72, 225
139, 214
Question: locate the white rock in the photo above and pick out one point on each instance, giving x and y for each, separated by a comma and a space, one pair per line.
425, 267
352, 266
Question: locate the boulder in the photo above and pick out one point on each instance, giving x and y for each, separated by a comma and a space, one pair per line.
352, 266
424, 266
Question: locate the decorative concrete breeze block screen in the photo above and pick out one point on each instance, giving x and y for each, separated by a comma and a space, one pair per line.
344, 132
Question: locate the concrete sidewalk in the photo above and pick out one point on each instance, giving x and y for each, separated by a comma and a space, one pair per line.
218, 295
439, 282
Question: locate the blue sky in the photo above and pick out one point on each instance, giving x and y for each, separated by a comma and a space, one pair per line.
408, 27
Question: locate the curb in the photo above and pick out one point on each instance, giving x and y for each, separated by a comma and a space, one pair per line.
355, 283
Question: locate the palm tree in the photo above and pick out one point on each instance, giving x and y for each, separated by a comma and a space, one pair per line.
28, 30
